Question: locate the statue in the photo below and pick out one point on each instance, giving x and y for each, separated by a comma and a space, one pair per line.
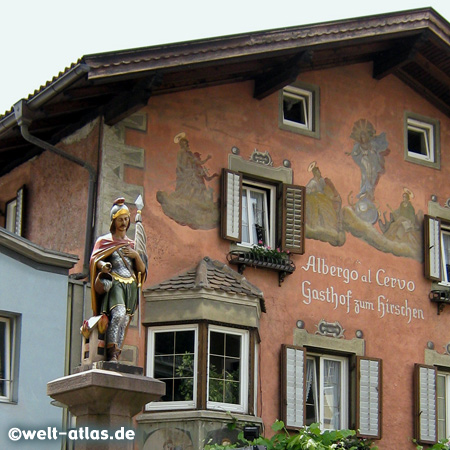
118, 268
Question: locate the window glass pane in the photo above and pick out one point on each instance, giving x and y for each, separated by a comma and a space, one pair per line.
224, 368
216, 388
233, 345
417, 142
311, 392
232, 392
332, 394
445, 255
164, 343
184, 342
216, 366
3, 350
173, 363
295, 108
163, 367
217, 343
441, 406
245, 225
258, 216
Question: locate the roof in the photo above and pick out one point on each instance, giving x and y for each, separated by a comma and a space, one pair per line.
211, 275
34, 252
412, 45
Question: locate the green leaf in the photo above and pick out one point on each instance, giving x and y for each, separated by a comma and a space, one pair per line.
278, 425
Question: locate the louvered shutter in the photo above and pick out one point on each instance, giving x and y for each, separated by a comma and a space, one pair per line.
231, 208
368, 404
19, 211
425, 404
293, 386
293, 224
432, 247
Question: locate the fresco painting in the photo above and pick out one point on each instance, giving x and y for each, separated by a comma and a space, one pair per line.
323, 209
399, 233
192, 203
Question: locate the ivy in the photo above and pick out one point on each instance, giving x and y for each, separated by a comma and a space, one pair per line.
308, 438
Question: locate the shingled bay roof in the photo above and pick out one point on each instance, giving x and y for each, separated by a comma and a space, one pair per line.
411, 45
211, 275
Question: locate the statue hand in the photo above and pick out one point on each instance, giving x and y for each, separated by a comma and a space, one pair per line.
130, 252
106, 268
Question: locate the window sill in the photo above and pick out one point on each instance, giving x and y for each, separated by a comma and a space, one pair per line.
243, 259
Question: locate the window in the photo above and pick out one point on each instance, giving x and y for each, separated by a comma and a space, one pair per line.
14, 213
315, 389
174, 361
227, 369
422, 140
299, 109
443, 405
251, 212
218, 379
326, 392
437, 249
7, 350
258, 215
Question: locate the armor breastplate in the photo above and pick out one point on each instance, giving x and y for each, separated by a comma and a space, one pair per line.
118, 266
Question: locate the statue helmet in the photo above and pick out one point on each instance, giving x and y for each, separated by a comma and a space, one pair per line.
118, 209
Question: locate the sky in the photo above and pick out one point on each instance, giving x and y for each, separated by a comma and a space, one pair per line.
40, 38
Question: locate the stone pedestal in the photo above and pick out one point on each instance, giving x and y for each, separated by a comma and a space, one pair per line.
105, 400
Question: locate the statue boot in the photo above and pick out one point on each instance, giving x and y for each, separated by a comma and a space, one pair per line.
113, 352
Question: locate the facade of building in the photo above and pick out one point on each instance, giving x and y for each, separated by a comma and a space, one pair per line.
297, 214
33, 315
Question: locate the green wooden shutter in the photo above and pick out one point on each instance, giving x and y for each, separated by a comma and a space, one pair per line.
368, 404
293, 370
231, 207
425, 404
432, 248
293, 214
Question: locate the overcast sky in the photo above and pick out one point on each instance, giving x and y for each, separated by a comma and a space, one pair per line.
40, 38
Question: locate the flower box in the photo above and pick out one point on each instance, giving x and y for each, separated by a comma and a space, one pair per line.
243, 259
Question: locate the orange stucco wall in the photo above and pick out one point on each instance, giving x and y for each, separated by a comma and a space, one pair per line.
218, 118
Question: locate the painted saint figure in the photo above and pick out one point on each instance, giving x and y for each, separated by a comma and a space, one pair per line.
403, 225
117, 271
367, 154
323, 209
192, 202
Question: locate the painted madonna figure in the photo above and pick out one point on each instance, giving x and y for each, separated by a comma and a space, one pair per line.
117, 271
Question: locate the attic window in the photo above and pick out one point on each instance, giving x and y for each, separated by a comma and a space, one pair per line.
422, 140
299, 109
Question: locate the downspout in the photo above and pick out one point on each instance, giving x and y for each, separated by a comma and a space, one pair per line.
22, 115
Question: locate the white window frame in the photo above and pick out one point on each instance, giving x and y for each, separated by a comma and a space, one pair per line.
343, 408
306, 99
429, 128
9, 357
164, 405
445, 254
242, 407
269, 193
308, 96
446, 399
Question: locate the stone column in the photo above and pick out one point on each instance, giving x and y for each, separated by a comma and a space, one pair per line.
105, 400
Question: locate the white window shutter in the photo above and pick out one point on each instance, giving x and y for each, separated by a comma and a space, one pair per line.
369, 397
231, 211
293, 386
432, 248
293, 232
425, 404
